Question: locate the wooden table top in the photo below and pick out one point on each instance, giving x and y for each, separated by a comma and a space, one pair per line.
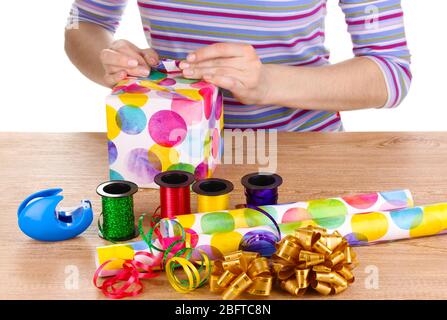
313, 165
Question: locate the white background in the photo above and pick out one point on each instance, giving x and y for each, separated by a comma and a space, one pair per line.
42, 91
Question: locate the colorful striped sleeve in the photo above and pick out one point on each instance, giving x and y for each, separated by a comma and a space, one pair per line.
105, 13
377, 32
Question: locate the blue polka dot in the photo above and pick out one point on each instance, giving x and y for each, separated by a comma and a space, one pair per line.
407, 218
397, 198
131, 120
113, 152
115, 175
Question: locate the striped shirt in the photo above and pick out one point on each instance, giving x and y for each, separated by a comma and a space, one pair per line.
289, 32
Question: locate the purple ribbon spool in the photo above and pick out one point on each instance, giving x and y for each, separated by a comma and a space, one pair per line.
261, 189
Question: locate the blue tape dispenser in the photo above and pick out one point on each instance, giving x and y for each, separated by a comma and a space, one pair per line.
40, 217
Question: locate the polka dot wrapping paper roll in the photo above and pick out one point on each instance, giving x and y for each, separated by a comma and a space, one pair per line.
336, 208
163, 122
357, 229
221, 232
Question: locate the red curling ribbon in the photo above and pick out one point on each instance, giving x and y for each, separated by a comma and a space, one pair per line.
175, 201
175, 192
127, 283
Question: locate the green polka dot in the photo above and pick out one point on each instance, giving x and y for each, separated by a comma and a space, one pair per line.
183, 167
255, 218
289, 228
329, 213
156, 75
217, 222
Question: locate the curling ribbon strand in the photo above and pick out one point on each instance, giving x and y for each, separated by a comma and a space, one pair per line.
264, 244
126, 283
195, 276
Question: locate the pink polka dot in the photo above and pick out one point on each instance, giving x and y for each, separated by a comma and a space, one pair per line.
295, 214
201, 171
167, 82
190, 110
200, 84
218, 107
215, 145
167, 128
194, 237
118, 89
362, 202
207, 94
135, 88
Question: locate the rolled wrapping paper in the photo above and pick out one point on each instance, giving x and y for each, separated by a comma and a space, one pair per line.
358, 229
229, 220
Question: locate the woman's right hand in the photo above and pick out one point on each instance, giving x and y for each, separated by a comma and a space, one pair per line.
123, 59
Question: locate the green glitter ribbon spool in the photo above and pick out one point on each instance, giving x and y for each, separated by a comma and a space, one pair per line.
118, 219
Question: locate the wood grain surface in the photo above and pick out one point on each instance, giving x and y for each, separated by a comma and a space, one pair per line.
313, 165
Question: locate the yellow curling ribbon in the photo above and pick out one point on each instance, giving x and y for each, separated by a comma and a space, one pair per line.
213, 194
312, 258
240, 272
196, 266
212, 203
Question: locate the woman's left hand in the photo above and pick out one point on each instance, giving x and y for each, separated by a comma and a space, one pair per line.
232, 66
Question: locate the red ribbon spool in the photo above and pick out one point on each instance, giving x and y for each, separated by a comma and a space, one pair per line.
175, 192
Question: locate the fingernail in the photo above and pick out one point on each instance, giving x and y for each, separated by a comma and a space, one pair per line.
191, 57
188, 72
184, 65
143, 71
132, 63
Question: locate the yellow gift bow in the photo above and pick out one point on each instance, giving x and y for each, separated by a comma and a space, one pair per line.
241, 271
314, 258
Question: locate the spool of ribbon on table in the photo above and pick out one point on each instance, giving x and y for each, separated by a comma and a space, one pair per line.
175, 194
118, 219
213, 194
261, 188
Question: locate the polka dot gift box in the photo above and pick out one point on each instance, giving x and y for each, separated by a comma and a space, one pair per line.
163, 122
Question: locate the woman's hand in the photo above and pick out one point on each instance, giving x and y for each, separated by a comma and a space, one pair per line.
124, 59
232, 66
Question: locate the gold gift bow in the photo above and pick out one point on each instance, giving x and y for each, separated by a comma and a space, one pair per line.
239, 272
314, 258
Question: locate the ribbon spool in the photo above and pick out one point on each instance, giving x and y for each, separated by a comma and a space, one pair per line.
212, 194
175, 194
118, 220
261, 188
